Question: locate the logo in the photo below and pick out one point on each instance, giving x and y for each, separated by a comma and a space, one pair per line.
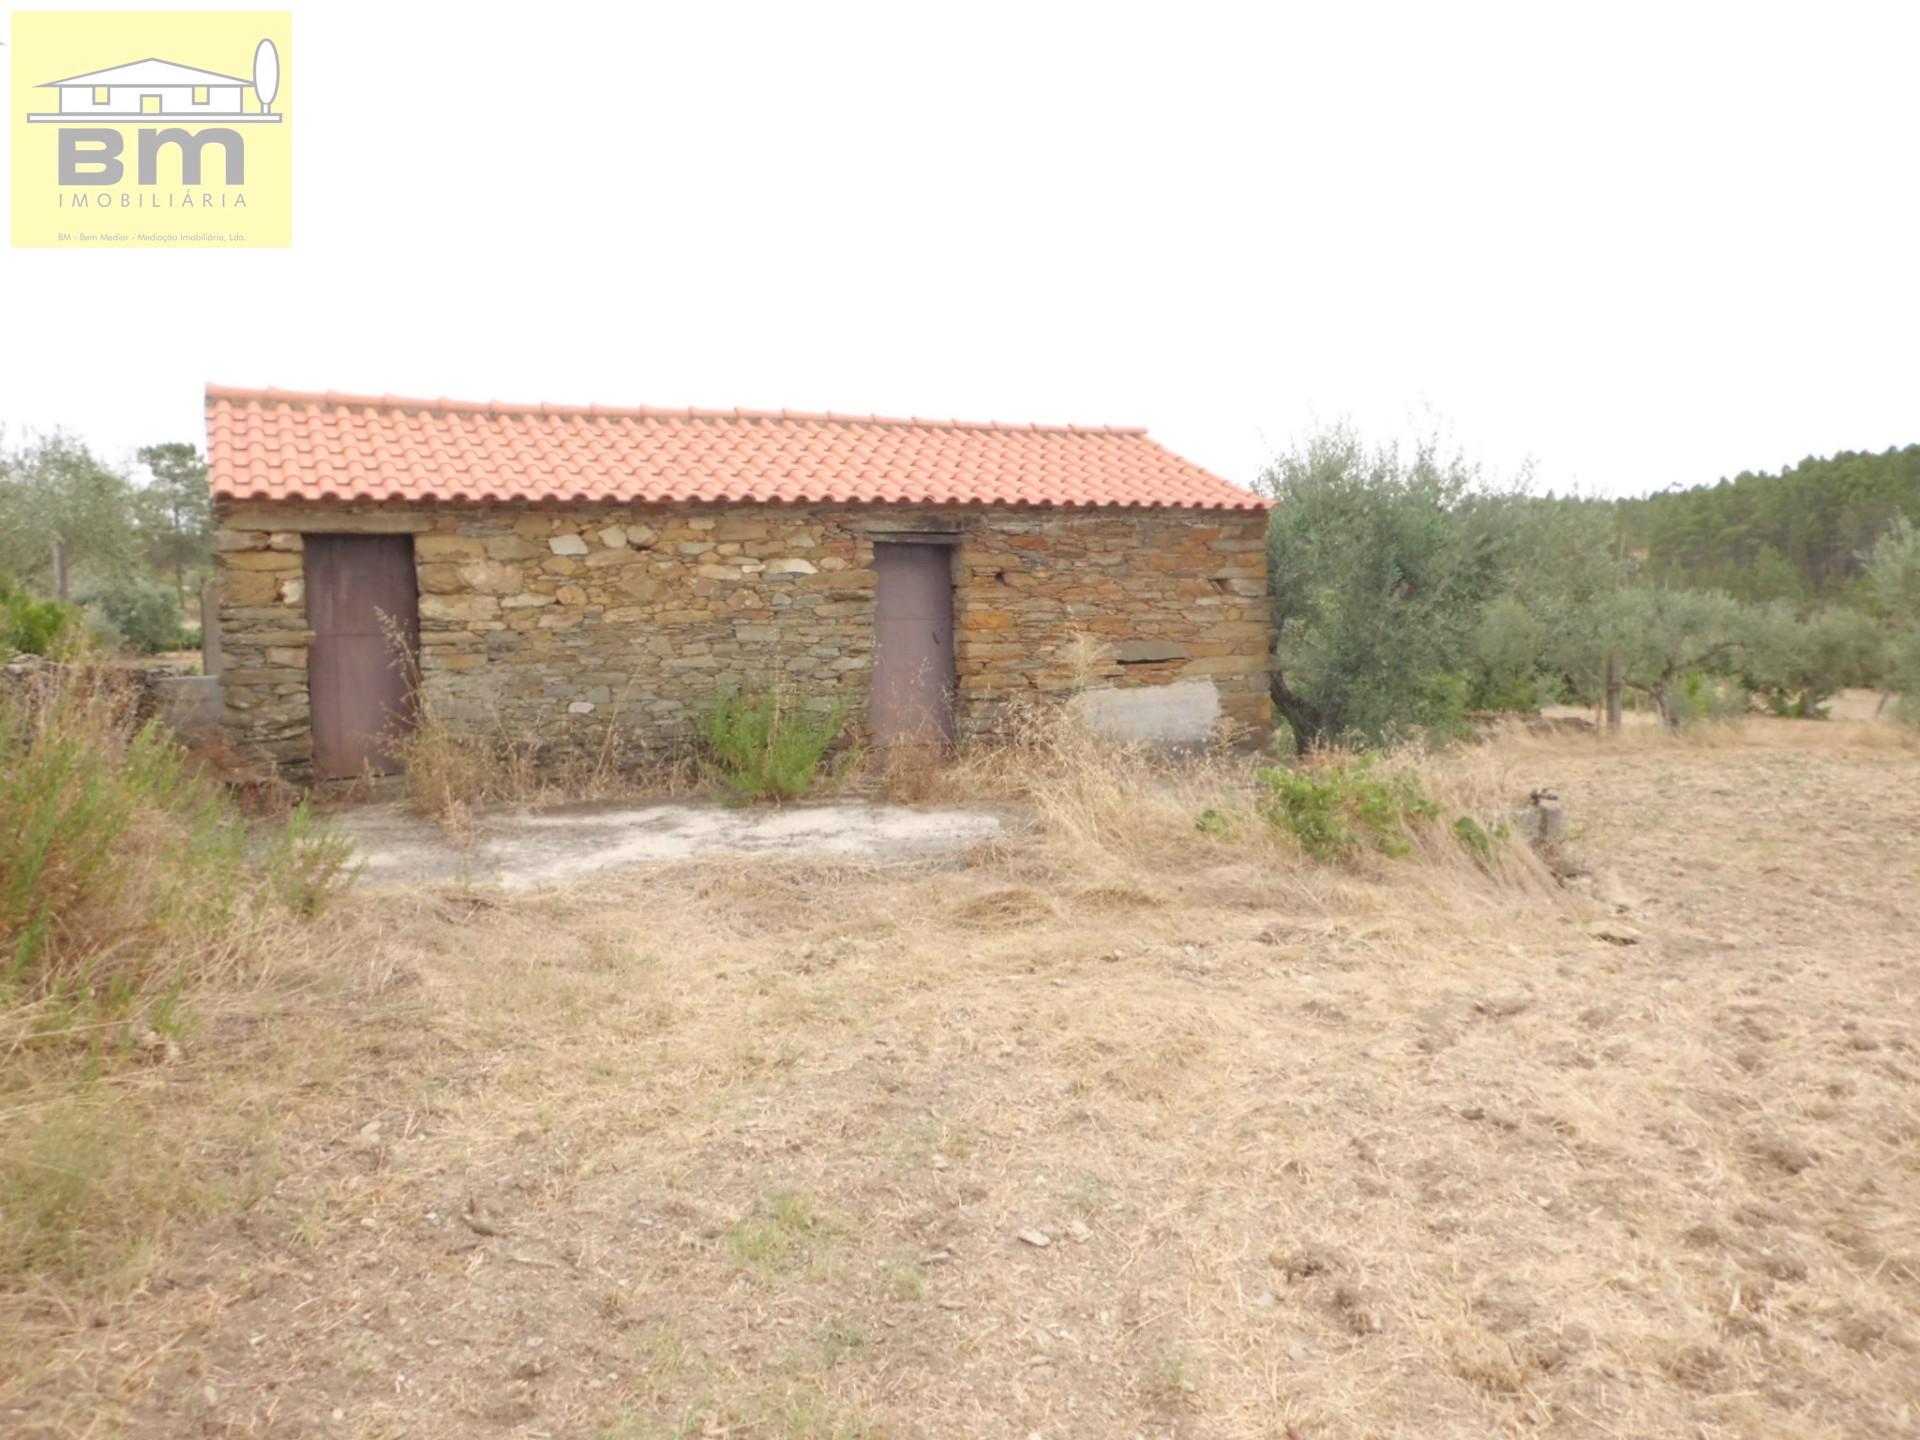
191, 150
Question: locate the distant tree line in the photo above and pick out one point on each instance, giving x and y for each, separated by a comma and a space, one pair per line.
1410, 591
1800, 535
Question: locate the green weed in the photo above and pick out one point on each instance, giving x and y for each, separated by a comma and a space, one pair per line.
766, 746
1340, 810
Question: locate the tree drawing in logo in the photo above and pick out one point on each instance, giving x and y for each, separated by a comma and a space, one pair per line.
266, 74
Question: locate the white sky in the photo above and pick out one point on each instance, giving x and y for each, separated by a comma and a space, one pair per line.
1642, 245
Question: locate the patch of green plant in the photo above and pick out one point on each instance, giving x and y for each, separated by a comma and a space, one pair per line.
766, 745
801, 1410
1478, 839
1214, 822
306, 860
80, 1183
145, 616
121, 866
1340, 810
29, 626
776, 1236
906, 1281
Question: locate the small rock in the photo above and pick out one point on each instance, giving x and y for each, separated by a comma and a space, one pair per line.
1080, 1231
1614, 933
1037, 1238
939, 1162
479, 1220
567, 545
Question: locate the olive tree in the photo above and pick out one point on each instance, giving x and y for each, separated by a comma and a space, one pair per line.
1407, 586
1375, 590
1893, 575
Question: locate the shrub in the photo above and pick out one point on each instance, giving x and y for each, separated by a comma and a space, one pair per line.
144, 615
765, 747
29, 626
305, 861
121, 868
1339, 810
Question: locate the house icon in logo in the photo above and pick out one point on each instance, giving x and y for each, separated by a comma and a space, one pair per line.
162, 89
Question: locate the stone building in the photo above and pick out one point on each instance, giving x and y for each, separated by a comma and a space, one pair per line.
557, 570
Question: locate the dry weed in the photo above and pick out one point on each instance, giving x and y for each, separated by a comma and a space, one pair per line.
1110, 1129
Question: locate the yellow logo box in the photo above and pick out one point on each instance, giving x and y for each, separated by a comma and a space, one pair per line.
150, 129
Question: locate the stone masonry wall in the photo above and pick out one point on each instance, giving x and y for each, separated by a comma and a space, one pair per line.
562, 619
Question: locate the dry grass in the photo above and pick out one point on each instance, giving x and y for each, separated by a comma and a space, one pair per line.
451, 770
136, 903
749, 1147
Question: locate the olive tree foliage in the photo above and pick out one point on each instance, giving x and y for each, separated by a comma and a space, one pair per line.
1660, 638
1796, 664
52, 488
1893, 575
1406, 587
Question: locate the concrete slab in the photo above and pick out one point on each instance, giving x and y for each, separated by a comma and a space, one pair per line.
518, 850
1182, 713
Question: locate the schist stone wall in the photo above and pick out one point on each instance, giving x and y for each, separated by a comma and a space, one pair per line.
562, 619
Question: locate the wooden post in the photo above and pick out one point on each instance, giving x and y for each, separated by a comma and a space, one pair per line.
1616, 685
210, 626
59, 568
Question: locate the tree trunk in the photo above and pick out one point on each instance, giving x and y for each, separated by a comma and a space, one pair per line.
1307, 723
1615, 688
1665, 701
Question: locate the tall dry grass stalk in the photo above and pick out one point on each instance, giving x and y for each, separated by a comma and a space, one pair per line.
1113, 804
455, 768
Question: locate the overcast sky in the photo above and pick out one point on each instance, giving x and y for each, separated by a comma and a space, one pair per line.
1639, 245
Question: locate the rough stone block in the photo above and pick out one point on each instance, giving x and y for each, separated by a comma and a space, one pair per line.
458, 607
448, 547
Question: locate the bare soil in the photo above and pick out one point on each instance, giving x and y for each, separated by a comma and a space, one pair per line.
1167, 1138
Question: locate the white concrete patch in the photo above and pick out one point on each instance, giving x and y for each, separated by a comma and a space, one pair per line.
524, 850
1182, 713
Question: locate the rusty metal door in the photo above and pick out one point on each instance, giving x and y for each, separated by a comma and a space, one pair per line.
913, 677
364, 610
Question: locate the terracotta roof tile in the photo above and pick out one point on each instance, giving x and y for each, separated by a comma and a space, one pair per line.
287, 445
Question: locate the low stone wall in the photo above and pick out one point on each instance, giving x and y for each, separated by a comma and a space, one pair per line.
191, 704
560, 620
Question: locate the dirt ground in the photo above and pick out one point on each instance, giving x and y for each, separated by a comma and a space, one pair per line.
1162, 1137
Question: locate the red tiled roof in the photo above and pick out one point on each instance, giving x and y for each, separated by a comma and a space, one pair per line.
285, 445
